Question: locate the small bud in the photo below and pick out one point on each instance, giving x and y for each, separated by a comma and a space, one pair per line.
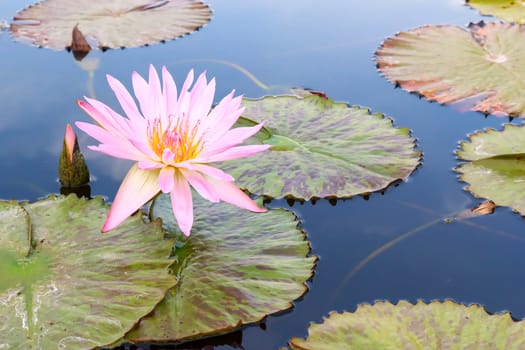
72, 169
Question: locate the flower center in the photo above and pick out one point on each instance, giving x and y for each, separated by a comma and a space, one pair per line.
176, 137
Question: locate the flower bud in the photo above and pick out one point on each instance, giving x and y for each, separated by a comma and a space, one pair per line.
72, 169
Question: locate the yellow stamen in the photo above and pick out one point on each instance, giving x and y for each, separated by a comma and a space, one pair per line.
176, 137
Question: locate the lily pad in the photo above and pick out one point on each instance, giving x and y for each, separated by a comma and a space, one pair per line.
112, 24
65, 285
509, 10
433, 326
322, 148
481, 67
236, 268
496, 166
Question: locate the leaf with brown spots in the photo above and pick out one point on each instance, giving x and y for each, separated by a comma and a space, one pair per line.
64, 285
509, 10
494, 166
434, 326
236, 268
321, 148
479, 68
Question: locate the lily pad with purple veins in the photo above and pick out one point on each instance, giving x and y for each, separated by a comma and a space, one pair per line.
434, 326
65, 285
480, 67
509, 10
494, 166
111, 24
236, 268
322, 149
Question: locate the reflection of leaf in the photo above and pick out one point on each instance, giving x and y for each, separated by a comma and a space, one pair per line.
322, 148
481, 67
78, 289
496, 167
434, 326
509, 10
112, 24
235, 268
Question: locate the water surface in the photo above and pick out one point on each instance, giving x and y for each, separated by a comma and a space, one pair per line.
326, 46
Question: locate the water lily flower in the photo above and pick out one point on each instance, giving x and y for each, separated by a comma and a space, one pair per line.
175, 139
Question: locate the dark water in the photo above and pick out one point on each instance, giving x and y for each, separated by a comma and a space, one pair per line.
326, 46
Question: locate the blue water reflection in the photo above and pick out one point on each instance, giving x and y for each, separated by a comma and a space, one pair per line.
326, 46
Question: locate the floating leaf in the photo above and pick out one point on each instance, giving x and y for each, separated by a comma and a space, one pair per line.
112, 24
434, 326
496, 167
236, 268
65, 285
509, 10
322, 149
480, 67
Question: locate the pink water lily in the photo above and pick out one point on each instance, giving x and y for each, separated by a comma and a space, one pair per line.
174, 138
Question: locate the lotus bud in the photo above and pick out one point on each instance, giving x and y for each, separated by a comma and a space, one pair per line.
72, 169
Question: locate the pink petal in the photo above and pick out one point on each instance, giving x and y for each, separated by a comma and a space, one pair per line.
184, 98
232, 153
142, 92
233, 195
207, 170
167, 179
169, 90
115, 146
202, 95
182, 204
223, 116
108, 118
98, 133
156, 100
201, 185
100, 117
148, 164
138, 187
126, 101
168, 156
232, 138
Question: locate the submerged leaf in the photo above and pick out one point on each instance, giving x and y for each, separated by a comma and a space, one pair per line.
509, 10
322, 149
496, 166
434, 326
63, 284
112, 24
236, 268
480, 67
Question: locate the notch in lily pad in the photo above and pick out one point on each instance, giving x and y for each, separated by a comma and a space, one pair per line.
493, 166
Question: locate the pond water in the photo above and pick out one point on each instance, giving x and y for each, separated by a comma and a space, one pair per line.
327, 46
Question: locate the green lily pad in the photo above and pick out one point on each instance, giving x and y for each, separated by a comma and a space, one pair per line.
236, 268
433, 326
496, 166
481, 67
322, 149
509, 10
112, 24
63, 284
